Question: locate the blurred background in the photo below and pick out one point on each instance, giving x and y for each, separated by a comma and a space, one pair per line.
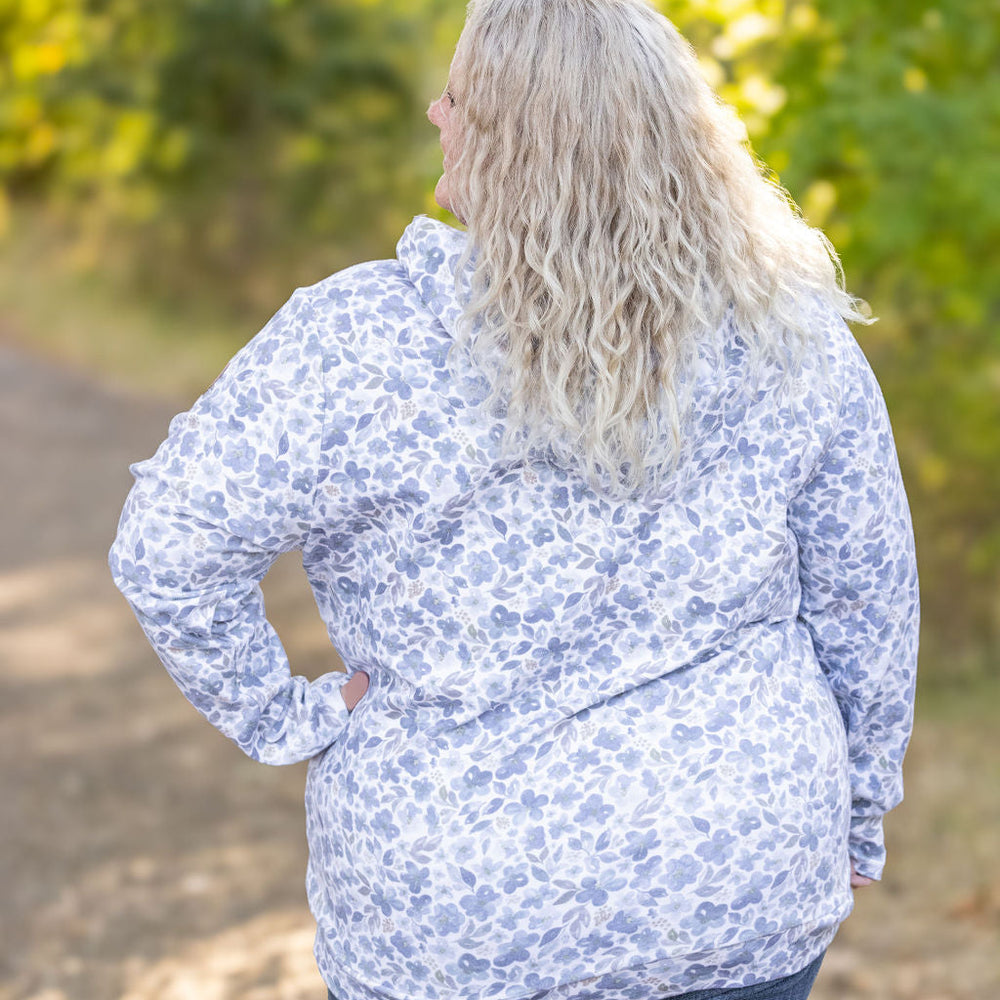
169, 173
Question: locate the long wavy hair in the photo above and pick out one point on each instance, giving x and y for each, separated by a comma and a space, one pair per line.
615, 213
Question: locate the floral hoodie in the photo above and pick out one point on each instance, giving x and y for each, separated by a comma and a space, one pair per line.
611, 749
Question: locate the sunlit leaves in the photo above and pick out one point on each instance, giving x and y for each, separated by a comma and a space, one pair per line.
225, 128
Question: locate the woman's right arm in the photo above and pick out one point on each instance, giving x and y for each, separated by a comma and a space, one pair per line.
228, 491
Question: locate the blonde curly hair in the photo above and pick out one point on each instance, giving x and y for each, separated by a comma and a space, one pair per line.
615, 212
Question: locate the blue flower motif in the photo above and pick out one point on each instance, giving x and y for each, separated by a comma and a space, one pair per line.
681, 872
411, 563
212, 505
514, 881
828, 527
542, 535
804, 760
718, 849
433, 259
530, 805
593, 810
271, 472
447, 919
481, 904
677, 561
239, 455
707, 543
511, 552
248, 404
710, 913
503, 618
383, 899
481, 568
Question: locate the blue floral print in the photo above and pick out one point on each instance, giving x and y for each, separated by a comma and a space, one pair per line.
611, 750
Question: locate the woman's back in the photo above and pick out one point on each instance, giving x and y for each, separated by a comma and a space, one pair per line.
597, 737
601, 736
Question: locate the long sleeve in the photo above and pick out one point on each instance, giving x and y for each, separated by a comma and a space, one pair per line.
860, 599
228, 491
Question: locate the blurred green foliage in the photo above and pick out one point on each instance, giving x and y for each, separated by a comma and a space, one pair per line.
188, 142
233, 149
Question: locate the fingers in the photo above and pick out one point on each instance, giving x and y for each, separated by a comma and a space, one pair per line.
354, 689
859, 881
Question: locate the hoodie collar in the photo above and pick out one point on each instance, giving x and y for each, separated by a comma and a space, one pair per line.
429, 252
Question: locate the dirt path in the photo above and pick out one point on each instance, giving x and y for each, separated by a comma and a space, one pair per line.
143, 855
144, 858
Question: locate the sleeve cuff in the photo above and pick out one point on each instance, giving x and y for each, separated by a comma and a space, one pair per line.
866, 846
313, 718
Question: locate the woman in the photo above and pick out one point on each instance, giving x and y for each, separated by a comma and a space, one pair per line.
602, 496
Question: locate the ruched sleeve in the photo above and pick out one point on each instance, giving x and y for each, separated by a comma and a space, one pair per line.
860, 599
229, 490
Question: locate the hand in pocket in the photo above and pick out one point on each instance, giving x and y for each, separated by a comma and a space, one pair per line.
857, 881
354, 689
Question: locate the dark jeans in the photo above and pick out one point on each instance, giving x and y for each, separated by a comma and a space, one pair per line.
793, 987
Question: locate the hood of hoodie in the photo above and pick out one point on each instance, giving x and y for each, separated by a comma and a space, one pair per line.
429, 252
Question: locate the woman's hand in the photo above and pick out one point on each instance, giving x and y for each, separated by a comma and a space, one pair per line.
857, 881
353, 691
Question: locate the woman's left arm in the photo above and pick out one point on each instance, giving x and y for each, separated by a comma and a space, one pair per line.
228, 491
858, 575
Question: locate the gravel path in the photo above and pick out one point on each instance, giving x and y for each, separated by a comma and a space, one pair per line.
144, 858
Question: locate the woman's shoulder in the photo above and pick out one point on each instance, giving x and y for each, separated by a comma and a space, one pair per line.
845, 363
359, 310
827, 364
357, 287
426, 248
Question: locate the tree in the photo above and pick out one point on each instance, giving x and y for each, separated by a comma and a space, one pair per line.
216, 140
